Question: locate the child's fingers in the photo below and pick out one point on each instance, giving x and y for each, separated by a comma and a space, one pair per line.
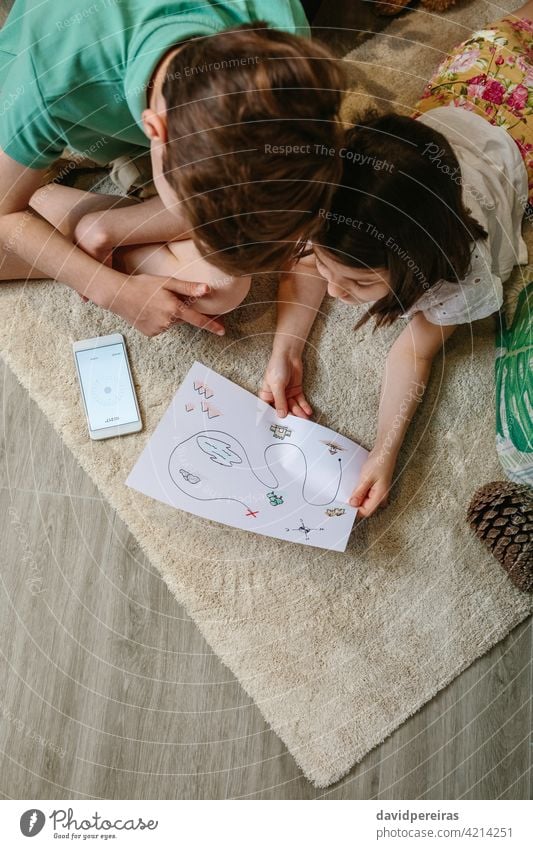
304, 404
295, 393
185, 287
197, 319
300, 403
280, 400
296, 409
266, 395
358, 495
377, 497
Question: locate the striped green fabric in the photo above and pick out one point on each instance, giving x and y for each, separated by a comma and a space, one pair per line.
514, 391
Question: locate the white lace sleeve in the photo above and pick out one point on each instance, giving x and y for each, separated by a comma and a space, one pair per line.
480, 293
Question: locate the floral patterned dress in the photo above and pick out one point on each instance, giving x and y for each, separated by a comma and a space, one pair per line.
491, 74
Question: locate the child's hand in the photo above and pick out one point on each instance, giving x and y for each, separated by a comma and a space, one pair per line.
282, 385
153, 304
374, 484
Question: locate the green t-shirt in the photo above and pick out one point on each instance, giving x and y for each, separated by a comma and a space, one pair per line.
73, 73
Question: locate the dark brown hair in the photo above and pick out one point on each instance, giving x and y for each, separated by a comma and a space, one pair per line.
252, 126
399, 206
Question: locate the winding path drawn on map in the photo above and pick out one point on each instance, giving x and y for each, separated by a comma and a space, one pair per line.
212, 465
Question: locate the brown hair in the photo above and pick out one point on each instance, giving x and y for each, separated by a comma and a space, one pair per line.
399, 206
252, 129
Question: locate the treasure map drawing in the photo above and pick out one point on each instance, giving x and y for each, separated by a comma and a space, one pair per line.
221, 453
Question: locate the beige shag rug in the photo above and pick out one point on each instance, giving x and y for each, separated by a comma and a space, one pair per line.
336, 649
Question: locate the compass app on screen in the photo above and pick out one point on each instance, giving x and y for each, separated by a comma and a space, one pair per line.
106, 386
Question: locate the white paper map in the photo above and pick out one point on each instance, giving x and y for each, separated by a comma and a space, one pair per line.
221, 453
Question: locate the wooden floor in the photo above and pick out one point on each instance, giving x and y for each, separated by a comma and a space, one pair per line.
92, 645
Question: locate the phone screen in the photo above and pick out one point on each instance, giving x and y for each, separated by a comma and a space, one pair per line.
106, 386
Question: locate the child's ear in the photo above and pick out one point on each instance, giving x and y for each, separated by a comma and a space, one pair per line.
155, 126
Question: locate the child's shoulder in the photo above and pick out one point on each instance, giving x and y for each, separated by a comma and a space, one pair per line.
477, 296
467, 131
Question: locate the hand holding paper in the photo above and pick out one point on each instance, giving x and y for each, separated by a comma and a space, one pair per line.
221, 453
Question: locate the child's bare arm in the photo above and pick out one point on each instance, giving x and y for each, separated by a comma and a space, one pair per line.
300, 293
407, 370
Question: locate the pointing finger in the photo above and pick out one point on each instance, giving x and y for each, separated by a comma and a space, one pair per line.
185, 287
197, 319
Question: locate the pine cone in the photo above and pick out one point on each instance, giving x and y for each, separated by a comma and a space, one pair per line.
501, 514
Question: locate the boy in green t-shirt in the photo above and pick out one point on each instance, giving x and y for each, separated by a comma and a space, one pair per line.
238, 108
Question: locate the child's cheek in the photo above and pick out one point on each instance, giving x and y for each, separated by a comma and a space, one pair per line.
338, 292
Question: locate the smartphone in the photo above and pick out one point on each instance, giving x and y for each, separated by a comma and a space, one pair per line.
106, 386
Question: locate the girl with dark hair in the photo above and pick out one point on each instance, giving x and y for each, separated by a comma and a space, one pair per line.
424, 225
